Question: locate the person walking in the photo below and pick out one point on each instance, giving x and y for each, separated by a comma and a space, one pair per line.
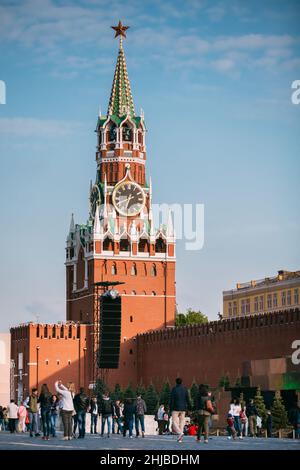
179, 404
244, 422
107, 411
252, 414
128, 412
67, 407
45, 401
2, 427
160, 419
236, 411
12, 416
22, 414
204, 409
119, 416
81, 403
31, 404
269, 423
93, 409
230, 427
54, 414
140, 410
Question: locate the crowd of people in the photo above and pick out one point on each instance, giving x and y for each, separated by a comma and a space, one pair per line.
39, 412
38, 415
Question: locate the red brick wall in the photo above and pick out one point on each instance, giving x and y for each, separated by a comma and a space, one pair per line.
53, 355
206, 353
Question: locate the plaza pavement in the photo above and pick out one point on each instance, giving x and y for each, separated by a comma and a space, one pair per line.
163, 443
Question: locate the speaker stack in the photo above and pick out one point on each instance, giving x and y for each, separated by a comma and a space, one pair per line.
110, 332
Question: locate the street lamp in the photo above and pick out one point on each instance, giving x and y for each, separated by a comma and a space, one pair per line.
37, 367
84, 365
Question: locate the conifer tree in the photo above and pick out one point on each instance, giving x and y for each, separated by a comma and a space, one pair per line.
260, 404
117, 393
140, 390
151, 399
129, 392
279, 414
224, 382
164, 397
100, 388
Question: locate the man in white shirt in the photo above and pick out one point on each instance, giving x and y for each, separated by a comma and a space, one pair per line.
12, 416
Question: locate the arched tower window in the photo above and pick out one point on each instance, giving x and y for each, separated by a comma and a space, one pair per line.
153, 270
125, 269
124, 244
143, 245
160, 245
114, 269
108, 244
126, 133
113, 133
133, 270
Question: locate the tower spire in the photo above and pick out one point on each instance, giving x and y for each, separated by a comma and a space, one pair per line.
121, 100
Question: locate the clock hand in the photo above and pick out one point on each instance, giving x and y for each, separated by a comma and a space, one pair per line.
130, 197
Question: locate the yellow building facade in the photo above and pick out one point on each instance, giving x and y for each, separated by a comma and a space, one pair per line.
271, 294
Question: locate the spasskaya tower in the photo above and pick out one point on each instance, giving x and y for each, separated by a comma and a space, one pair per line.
119, 241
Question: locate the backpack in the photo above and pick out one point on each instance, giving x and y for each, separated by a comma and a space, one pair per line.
205, 405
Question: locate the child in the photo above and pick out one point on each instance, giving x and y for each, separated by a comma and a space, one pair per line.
230, 427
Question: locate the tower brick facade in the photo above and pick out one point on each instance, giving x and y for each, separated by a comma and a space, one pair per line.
119, 242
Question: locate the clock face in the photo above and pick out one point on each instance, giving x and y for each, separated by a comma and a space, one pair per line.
95, 199
128, 198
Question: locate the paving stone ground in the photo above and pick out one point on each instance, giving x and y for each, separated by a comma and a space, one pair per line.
116, 442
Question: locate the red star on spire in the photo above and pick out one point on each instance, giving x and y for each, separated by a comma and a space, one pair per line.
120, 29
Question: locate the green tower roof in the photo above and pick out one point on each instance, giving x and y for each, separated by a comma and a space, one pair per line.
121, 97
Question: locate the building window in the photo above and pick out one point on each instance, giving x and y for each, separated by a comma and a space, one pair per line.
229, 308
69, 362
153, 270
78, 332
133, 270
45, 332
296, 296
283, 298
57, 362
114, 269
130, 351
234, 308
247, 305
153, 292
53, 332
261, 302
70, 331
269, 301
133, 292
38, 331
131, 318
275, 302
47, 362
61, 331
255, 304
243, 307
289, 297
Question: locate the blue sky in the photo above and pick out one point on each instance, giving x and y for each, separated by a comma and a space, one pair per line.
214, 79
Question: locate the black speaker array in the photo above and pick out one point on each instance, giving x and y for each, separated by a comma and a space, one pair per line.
110, 332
